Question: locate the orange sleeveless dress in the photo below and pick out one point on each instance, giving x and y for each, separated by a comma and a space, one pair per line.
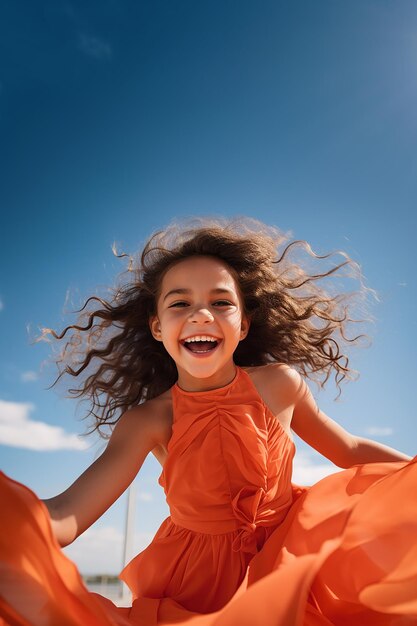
242, 546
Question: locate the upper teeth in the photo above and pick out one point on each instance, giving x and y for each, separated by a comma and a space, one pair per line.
200, 338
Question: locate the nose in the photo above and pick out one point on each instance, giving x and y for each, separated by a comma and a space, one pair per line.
201, 315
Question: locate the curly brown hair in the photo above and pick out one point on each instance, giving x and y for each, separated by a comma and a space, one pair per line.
294, 318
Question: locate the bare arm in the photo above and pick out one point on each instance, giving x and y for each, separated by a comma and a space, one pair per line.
79, 506
329, 438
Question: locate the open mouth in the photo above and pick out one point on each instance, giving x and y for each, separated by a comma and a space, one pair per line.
200, 344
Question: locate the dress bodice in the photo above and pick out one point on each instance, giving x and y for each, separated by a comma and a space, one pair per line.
229, 462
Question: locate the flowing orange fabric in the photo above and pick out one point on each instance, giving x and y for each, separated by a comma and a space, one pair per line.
242, 545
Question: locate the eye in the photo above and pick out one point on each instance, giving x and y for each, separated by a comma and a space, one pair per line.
180, 303
223, 303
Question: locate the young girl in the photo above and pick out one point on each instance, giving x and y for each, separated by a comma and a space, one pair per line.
200, 358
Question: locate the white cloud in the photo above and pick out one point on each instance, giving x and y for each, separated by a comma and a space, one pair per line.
28, 377
94, 47
379, 431
100, 550
1, 305
307, 472
18, 430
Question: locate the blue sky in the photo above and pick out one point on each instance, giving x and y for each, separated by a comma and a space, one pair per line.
117, 117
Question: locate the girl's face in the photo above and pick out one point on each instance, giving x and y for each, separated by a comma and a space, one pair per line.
200, 321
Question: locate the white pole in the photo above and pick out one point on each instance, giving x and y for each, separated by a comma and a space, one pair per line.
129, 535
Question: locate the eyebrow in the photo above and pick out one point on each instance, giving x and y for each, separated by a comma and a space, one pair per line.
182, 291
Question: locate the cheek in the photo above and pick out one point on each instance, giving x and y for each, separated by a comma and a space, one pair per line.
169, 325
235, 320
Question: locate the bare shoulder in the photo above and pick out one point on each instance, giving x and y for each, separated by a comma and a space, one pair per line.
279, 386
277, 382
150, 420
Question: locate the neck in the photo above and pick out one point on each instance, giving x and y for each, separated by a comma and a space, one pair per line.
188, 382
